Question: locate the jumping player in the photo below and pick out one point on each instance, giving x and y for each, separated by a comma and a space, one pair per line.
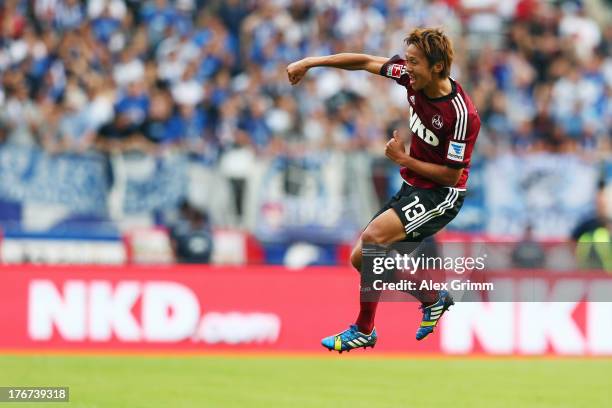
445, 126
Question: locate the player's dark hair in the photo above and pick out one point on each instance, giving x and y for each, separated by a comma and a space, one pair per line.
436, 46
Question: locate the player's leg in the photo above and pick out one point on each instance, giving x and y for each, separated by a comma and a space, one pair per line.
370, 237
410, 215
385, 228
421, 213
440, 206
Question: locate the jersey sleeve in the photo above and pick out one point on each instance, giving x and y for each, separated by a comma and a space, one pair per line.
461, 141
395, 68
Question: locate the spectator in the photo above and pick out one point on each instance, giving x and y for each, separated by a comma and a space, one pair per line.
21, 117
69, 15
593, 236
528, 253
192, 236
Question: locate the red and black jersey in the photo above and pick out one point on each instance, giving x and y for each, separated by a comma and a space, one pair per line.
444, 129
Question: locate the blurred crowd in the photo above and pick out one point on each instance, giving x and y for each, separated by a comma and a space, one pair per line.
208, 77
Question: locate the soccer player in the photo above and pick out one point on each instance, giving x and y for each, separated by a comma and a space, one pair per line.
445, 126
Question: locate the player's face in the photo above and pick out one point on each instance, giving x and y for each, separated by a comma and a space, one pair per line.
417, 66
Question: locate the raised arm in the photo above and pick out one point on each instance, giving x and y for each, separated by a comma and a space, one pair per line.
348, 61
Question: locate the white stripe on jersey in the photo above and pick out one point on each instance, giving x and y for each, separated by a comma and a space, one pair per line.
457, 122
465, 118
462, 116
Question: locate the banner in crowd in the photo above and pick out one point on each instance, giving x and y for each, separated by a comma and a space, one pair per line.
271, 309
154, 183
78, 182
322, 199
70, 185
549, 193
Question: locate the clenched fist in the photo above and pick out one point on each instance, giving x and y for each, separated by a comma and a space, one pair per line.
395, 149
296, 71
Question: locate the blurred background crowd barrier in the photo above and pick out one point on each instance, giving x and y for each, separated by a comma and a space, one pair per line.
162, 131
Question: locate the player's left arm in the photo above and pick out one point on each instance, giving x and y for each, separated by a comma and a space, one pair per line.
458, 154
441, 174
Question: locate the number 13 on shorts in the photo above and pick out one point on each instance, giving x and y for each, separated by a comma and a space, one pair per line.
413, 209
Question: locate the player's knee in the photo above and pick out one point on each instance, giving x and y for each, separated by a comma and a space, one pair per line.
373, 235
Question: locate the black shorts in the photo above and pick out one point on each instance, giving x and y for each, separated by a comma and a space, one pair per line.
424, 211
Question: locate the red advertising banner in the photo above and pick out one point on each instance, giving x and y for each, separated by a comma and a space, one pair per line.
198, 308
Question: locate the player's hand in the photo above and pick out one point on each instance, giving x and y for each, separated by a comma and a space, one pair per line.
296, 71
395, 149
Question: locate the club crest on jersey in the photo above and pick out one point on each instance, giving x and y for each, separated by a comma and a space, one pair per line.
437, 122
420, 130
412, 99
395, 70
456, 151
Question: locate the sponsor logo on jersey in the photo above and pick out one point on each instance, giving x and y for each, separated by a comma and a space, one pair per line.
420, 130
437, 121
456, 151
395, 70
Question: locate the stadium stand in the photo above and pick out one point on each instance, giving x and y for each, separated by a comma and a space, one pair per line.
113, 113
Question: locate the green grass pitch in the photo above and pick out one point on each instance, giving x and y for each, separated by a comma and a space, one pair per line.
353, 381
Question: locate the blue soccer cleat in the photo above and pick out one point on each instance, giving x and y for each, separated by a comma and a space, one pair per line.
350, 339
433, 313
